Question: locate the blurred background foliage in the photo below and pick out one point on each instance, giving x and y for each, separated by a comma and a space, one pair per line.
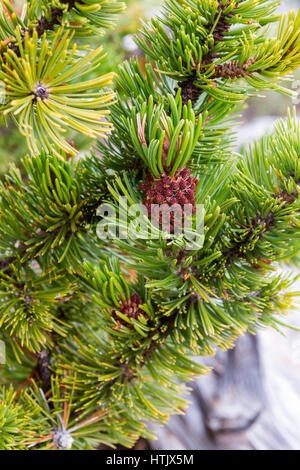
119, 45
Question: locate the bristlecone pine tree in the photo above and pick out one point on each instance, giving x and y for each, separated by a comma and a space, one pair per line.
100, 333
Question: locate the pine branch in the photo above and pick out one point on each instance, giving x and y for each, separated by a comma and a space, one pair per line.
258, 227
219, 27
189, 53
43, 25
229, 70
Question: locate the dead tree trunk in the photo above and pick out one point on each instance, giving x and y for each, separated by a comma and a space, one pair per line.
251, 400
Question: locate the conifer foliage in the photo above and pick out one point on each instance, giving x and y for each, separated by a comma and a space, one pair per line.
100, 332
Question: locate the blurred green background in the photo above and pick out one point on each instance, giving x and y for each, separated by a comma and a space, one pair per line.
118, 44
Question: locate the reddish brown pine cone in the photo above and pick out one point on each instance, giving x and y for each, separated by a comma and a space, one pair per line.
178, 189
130, 308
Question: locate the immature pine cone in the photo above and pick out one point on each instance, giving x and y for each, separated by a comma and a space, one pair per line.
178, 189
130, 308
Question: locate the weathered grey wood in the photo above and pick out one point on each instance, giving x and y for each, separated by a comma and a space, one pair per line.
251, 401
236, 398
